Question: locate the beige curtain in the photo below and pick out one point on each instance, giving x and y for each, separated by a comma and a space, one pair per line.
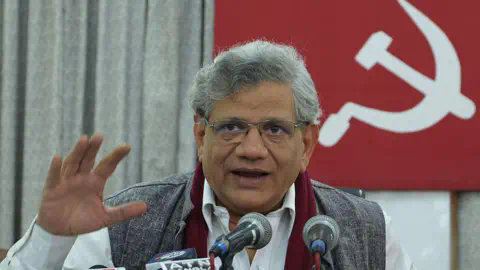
73, 67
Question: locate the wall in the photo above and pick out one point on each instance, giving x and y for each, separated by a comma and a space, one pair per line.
421, 223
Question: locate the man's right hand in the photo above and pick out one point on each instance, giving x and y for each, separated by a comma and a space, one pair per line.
72, 200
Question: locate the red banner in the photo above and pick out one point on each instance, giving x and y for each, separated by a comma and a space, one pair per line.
398, 81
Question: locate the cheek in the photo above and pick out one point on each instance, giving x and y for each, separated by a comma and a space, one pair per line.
209, 150
216, 156
289, 160
214, 152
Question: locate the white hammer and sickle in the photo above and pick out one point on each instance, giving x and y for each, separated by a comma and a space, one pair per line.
442, 95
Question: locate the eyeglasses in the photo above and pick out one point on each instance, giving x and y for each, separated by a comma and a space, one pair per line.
274, 131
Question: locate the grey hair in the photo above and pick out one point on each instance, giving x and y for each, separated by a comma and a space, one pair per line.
247, 66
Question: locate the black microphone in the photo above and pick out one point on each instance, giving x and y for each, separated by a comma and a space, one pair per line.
321, 234
253, 231
192, 264
98, 266
184, 254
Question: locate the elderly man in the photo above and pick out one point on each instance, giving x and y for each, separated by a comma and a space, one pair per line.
256, 127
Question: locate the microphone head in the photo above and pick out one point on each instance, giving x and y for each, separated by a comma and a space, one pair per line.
184, 254
322, 228
264, 228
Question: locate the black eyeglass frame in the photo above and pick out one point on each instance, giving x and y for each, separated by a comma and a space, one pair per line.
298, 124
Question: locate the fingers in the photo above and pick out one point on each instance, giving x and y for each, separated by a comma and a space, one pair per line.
125, 212
88, 160
72, 161
107, 165
53, 176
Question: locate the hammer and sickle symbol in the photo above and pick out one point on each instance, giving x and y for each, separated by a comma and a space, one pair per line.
442, 95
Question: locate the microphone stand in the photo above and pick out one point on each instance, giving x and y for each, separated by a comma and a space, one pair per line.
322, 266
227, 262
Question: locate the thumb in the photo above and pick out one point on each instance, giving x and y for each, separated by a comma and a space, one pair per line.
125, 212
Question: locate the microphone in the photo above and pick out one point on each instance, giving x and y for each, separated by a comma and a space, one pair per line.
98, 266
194, 264
321, 234
253, 231
175, 260
184, 254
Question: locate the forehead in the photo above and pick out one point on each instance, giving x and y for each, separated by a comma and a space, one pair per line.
266, 100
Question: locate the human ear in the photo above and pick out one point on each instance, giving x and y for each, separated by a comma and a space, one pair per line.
199, 133
310, 139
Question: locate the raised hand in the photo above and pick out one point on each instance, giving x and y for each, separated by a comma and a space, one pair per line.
72, 200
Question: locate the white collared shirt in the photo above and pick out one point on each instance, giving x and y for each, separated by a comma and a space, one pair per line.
41, 250
273, 255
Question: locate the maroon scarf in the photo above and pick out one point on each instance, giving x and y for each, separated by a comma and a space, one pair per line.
298, 256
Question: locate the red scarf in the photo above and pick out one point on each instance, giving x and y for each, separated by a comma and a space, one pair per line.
298, 256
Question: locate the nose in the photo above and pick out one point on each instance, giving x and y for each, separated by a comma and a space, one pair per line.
252, 146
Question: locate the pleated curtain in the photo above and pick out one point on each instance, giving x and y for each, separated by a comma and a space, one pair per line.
76, 67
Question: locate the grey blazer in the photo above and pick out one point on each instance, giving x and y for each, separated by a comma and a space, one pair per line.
161, 229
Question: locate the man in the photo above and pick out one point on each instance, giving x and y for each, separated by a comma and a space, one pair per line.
256, 126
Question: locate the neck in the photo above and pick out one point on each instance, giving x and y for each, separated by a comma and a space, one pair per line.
235, 217
232, 224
